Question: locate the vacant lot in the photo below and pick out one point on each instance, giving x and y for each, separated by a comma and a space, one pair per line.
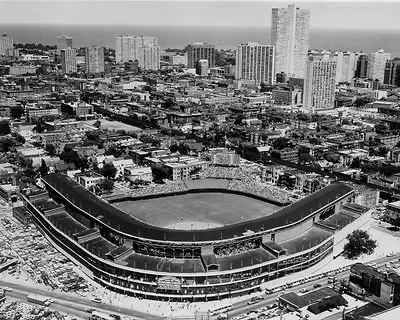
115, 125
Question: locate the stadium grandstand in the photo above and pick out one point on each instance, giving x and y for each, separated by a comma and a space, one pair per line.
136, 258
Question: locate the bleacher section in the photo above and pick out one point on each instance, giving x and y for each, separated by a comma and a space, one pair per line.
99, 246
207, 184
65, 223
338, 220
273, 248
307, 240
137, 260
245, 259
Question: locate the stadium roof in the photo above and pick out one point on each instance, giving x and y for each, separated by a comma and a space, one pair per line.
125, 223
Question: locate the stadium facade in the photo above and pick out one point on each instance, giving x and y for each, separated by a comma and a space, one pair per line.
135, 258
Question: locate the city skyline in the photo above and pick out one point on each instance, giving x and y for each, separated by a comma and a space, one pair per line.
375, 15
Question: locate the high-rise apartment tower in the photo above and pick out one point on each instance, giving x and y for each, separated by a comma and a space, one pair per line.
319, 84
376, 65
6, 43
144, 49
64, 42
94, 59
290, 35
198, 51
255, 61
68, 61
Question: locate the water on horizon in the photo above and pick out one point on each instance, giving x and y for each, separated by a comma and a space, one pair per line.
224, 37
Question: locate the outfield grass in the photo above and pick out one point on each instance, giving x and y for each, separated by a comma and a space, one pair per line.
197, 211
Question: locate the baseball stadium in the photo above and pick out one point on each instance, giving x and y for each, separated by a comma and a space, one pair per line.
200, 243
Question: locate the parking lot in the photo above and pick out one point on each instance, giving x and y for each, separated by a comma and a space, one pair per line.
38, 262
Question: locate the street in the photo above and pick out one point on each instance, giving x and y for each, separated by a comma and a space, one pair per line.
242, 307
72, 305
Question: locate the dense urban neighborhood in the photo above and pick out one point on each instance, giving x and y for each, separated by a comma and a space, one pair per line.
261, 182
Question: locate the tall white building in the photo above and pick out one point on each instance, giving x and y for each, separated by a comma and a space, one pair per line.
129, 48
149, 57
319, 84
94, 59
376, 65
346, 63
255, 61
6, 43
64, 42
68, 61
290, 35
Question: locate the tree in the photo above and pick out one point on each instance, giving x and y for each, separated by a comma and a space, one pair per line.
359, 242
239, 119
388, 170
44, 169
195, 171
381, 128
275, 154
362, 101
332, 157
355, 164
107, 185
169, 103
18, 138
71, 156
6, 144
29, 172
314, 140
305, 157
108, 170
280, 143
159, 173
4, 128
40, 126
51, 149
368, 167
92, 137
97, 124
148, 139
17, 112
113, 151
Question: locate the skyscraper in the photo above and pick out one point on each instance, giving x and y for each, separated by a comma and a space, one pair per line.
319, 84
6, 43
149, 57
68, 61
346, 63
290, 35
255, 61
63, 42
376, 65
362, 66
127, 48
392, 72
198, 51
202, 67
94, 59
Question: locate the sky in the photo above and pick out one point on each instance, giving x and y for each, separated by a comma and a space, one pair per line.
324, 15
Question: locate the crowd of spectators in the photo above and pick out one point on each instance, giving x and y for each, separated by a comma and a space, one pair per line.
235, 249
250, 186
215, 172
159, 189
241, 180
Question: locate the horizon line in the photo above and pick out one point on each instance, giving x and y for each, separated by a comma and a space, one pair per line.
188, 25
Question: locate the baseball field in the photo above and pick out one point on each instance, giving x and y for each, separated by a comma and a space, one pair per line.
197, 211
